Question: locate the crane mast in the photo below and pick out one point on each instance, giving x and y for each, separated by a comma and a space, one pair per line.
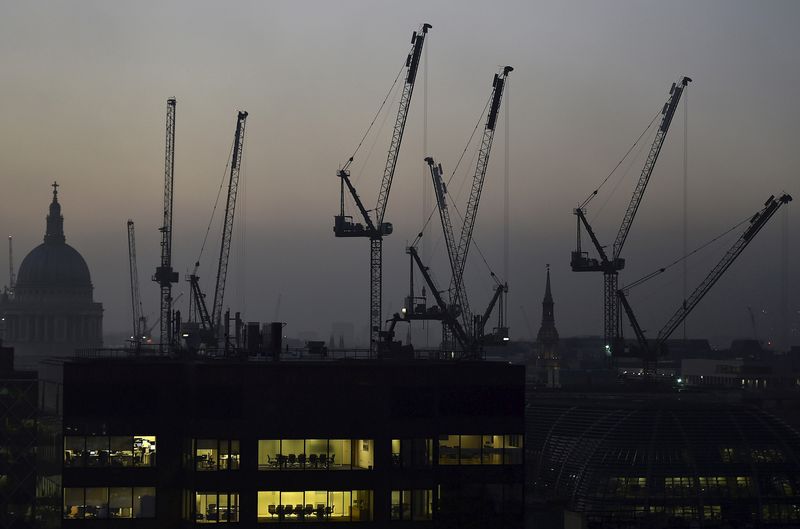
343, 225
227, 226
165, 275
139, 322
465, 239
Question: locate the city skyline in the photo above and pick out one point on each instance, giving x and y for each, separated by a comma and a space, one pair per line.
587, 81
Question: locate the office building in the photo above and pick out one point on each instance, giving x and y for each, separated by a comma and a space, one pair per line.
649, 458
160, 442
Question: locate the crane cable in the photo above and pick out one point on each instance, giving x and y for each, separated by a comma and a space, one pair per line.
216, 202
452, 175
594, 193
364, 137
681, 259
458, 163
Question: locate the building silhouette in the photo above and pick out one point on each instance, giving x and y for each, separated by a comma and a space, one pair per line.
51, 311
651, 457
171, 442
547, 342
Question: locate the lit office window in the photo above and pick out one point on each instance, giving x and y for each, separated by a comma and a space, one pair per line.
74, 503
492, 450
421, 504
448, 449
512, 451
480, 449
679, 486
144, 502
105, 502
268, 452
120, 502
361, 510
206, 454
470, 450
340, 454
315, 506
216, 454
315, 454
214, 507
401, 505
412, 453
97, 451
364, 453
144, 450
74, 451
414, 504
121, 451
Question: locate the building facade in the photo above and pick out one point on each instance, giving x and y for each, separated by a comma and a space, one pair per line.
179, 443
651, 459
18, 443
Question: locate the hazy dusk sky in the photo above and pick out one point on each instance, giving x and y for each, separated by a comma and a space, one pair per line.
83, 92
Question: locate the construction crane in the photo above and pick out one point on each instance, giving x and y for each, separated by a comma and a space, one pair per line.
227, 225
610, 267
211, 321
165, 275
648, 351
471, 213
376, 229
139, 328
473, 326
459, 304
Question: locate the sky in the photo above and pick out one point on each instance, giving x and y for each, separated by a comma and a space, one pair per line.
83, 96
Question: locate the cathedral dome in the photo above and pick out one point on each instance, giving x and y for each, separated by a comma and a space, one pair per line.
54, 264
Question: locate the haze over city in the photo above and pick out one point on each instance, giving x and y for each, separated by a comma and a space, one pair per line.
83, 94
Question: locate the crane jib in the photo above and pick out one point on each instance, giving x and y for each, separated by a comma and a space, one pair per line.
412, 62
498, 94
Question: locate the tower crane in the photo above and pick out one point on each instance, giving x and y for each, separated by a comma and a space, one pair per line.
165, 275
227, 225
610, 267
473, 326
140, 327
211, 322
465, 240
376, 229
649, 351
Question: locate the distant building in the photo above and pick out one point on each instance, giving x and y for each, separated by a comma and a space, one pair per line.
655, 458
51, 311
343, 333
18, 443
547, 357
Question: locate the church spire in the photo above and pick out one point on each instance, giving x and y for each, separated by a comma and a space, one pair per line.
547, 352
548, 296
547, 331
55, 221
